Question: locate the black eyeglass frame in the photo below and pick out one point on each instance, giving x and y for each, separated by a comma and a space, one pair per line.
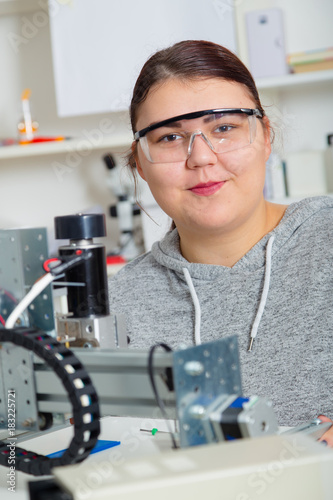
196, 114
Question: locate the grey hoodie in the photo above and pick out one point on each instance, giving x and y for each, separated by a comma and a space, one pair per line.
281, 291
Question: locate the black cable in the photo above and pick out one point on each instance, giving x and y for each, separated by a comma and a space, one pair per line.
81, 394
66, 262
157, 396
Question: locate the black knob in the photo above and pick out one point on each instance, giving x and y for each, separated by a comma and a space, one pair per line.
79, 226
136, 209
109, 161
113, 211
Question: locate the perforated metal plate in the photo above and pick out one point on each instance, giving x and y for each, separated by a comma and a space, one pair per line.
17, 373
201, 374
22, 253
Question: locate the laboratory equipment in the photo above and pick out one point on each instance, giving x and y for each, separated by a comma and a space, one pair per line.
200, 388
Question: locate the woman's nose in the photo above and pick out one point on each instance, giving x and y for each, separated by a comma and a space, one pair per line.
200, 151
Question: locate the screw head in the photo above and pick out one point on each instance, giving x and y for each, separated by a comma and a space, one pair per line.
194, 368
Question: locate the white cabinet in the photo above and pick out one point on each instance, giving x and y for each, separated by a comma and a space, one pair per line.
300, 108
302, 105
299, 105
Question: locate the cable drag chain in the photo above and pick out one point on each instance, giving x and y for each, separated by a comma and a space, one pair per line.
81, 393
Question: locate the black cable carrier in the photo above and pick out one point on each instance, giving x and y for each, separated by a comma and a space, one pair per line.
81, 393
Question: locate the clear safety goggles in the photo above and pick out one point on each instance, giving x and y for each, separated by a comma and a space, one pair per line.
223, 130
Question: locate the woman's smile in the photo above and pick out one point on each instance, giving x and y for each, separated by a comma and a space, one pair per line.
207, 188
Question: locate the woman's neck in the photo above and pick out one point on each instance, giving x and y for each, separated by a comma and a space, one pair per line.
225, 248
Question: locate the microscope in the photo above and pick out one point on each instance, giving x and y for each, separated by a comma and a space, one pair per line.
124, 210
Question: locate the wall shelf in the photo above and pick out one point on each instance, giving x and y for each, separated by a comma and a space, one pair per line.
287, 81
113, 143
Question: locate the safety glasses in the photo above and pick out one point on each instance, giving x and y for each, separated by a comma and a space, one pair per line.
223, 130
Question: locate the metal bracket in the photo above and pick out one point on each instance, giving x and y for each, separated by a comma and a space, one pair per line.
22, 253
108, 332
201, 374
18, 379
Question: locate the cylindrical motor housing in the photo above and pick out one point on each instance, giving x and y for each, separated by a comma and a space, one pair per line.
87, 292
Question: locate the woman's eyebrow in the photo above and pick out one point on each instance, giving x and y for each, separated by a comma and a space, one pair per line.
209, 118
212, 117
173, 124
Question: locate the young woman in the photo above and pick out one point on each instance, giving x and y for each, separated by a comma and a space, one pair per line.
234, 263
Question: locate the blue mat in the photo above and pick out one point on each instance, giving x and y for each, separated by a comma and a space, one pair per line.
100, 446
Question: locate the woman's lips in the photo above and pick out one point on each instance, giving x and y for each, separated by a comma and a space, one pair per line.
207, 189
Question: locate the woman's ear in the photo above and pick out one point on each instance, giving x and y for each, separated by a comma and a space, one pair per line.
267, 137
135, 157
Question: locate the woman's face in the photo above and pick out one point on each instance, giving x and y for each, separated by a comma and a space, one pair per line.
208, 191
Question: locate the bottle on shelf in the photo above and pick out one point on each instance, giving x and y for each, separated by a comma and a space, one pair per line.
27, 127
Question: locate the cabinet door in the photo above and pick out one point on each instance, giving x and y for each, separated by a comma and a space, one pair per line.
99, 47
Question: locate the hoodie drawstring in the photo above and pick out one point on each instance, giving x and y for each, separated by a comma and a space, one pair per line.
197, 308
264, 293
262, 304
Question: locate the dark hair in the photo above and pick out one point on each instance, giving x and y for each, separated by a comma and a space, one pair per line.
189, 60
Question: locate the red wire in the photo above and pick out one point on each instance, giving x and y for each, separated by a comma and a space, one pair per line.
9, 295
2, 321
48, 261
